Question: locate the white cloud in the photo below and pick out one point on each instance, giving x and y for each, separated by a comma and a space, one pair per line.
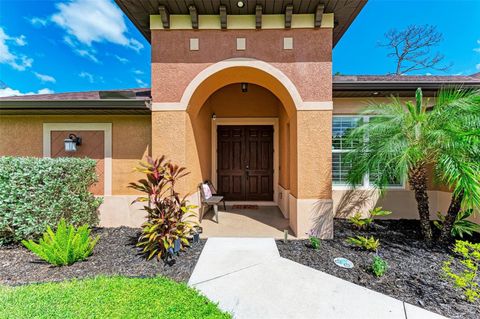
92, 21
87, 76
123, 60
12, 92
139, 72
141, 83
477, 49
477, 66
45, 91
20, 41
38, 22
86, 52
19, 62
45, 78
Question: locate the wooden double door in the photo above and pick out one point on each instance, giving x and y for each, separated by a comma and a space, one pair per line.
245, 162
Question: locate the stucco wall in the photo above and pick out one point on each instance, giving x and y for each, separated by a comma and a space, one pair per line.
308, 65
131, 140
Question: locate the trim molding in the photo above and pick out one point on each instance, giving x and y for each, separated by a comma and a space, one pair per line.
105, 127
249, 121
241, 22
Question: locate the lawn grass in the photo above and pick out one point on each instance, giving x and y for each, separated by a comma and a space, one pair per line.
107, 297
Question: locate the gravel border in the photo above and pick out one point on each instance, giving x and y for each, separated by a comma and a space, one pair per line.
115, 254
414, 274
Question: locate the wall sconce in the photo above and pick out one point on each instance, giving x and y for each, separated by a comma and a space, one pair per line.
71, 142
244, 87
214, 116
240, 4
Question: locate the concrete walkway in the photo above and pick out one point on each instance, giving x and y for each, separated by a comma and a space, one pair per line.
248, 278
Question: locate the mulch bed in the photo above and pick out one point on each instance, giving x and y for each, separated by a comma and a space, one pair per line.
115, 254
414, 274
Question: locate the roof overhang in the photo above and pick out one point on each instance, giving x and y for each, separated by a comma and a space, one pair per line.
80, 107
139, 12
396, 88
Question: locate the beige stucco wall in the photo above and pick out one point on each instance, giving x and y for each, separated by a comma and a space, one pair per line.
131, 138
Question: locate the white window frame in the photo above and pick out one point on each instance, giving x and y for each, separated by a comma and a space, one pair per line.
366, 185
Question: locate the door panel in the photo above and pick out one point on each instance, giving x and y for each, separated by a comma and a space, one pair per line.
245, 162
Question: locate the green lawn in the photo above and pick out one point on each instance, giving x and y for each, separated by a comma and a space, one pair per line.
106, 297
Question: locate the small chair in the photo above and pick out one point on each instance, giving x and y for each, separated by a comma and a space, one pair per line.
209, 199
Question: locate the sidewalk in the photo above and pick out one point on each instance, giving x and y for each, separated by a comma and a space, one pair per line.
248, 278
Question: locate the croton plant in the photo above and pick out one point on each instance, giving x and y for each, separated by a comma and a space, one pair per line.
168, 215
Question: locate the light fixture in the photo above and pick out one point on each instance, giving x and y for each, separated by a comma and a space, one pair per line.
214, 116
240, 4
72, 142
244, 87
375, 93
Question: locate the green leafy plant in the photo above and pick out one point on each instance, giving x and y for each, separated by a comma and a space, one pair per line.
314, 242
168, 215
379, 212
461, 226
364, 242
65, 246
379, 266
360, 222
38, 192
404, 139
364, 222
462, 272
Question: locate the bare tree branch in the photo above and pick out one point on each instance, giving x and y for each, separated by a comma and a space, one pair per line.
412, 49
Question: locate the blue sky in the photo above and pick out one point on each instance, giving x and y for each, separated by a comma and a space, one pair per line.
100, 49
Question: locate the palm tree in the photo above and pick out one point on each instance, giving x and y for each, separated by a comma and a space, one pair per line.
405, 139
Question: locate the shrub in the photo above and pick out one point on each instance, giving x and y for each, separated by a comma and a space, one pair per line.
359, 222
364, 242
167, 214
38, 192
461, 226
314, 242
462, 272
64, 247
379, 266
362, 223
378, 211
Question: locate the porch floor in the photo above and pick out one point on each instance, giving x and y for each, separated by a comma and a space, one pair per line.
266, 221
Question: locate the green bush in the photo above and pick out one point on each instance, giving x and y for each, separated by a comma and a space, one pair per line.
461, 226
314, 242
168, 215
462, 272
64, 247
363, 223
38, 192
379, 266
364, 242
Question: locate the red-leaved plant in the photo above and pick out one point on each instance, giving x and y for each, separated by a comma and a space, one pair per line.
167, 213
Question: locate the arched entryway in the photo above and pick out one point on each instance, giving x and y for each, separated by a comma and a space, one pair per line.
256, 98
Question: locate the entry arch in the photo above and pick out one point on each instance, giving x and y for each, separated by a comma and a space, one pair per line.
238, 70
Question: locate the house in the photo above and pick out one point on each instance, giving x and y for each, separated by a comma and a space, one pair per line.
243, 95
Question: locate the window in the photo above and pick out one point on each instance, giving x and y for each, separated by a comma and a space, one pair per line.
342, 125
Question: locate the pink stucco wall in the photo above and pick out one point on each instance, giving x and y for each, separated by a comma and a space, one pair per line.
308, 64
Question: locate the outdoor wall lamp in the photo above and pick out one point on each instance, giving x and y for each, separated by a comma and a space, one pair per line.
244, 87
214, 116
71, 142
240, 4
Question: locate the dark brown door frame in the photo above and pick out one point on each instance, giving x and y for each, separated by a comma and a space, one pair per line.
245, 162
